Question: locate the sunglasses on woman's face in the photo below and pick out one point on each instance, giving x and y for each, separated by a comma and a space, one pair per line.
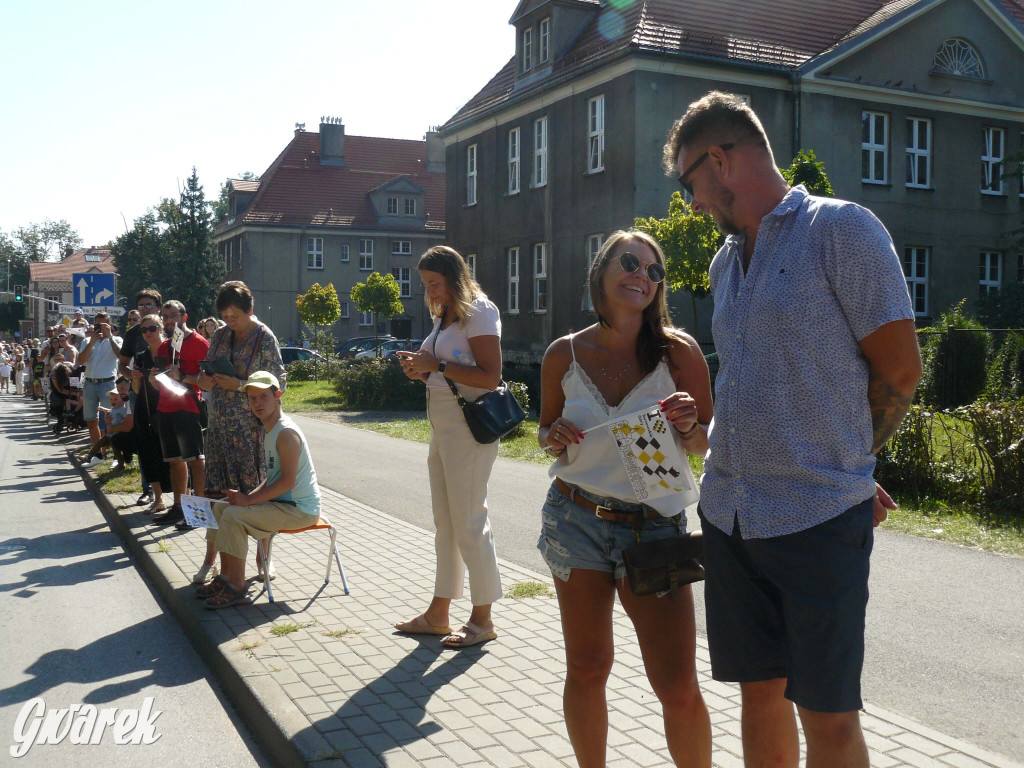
630, 262
150, 328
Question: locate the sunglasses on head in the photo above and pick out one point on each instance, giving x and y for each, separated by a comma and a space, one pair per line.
696, 164
150, 328
630, 262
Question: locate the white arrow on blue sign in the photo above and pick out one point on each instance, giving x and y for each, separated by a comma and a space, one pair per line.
92, 289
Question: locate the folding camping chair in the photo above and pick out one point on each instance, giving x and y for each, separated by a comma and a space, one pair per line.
322, 524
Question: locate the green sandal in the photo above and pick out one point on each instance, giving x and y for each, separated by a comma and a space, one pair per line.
229, 596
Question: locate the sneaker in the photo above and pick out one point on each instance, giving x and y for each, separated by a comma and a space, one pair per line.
94, 461
261, 576
172, 515
207, 571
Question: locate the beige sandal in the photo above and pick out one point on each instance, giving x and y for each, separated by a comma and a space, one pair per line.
420, 626
470, 634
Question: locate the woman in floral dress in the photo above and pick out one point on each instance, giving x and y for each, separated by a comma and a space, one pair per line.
234, 438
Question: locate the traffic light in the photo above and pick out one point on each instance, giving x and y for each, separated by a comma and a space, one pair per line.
17, 293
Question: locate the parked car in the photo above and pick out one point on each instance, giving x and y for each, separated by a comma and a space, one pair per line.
358, 344
388, 348
291, 354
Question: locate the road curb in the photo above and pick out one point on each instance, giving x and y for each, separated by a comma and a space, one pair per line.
276, 734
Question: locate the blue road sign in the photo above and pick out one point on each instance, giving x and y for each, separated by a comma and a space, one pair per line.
92, 289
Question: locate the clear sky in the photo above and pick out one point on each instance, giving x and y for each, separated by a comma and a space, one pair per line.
106, 106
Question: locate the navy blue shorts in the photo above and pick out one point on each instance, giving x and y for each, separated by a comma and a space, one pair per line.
792, 607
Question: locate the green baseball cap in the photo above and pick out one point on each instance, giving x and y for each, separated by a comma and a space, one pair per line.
262, 380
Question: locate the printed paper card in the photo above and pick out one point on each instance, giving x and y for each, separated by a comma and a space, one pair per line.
654, 464
198, 511
173, 386
177, 339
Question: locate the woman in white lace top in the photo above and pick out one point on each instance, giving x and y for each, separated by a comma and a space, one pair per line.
631, 359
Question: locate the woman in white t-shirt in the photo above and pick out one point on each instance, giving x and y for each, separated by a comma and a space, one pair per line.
464, 347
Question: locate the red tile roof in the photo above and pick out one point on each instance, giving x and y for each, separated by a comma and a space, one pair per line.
782, 35
297, 190
61, 271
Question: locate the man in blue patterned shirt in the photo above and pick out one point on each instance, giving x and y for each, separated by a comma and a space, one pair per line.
818, 363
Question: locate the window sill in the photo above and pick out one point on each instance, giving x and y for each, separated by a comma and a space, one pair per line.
511, 311
538, 186
366, 269
875, 183
315, 269
469, 205
992, 193
594, 171
539, 312
512, 194
922, 187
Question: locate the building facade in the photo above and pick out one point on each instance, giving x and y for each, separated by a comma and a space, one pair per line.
916, 109
333, 209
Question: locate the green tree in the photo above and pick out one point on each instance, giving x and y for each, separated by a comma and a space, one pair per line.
381, 295
49, 241
194, 270
808, 170
140, 257
689, 241
222, 207
319, 307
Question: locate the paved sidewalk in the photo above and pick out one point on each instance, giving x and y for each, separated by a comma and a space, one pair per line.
342, 688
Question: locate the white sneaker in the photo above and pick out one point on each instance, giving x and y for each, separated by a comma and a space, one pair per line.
261, 576
205, 573
94, 461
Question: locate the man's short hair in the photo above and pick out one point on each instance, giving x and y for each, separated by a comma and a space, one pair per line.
101, 316
176, 305
715, 118
149, 293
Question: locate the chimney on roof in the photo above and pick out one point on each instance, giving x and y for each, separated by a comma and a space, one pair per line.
332, 141
435, 151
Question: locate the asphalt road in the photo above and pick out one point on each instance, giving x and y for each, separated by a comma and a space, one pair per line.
79, 624
945, 637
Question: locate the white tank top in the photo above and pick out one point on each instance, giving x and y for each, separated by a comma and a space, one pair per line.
595, 465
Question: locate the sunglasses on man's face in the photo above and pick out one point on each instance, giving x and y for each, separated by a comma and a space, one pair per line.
684, 176
630, 262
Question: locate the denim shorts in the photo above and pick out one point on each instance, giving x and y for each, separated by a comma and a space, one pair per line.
792, 607
572, 536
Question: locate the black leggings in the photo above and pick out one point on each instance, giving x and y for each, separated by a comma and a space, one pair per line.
151, 458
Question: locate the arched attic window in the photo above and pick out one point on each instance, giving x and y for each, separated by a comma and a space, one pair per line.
958, 57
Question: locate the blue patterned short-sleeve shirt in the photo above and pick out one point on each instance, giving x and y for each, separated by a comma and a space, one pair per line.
790, 443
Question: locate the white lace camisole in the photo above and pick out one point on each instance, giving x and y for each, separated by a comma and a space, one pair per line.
595, 464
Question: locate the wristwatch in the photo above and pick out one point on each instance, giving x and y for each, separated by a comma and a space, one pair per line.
442, 366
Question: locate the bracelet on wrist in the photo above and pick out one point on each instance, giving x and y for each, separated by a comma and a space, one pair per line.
691, 432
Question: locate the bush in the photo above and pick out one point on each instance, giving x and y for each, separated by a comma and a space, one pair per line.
1003, 308
378, 384
1006, 370
302, 370
528, 376
953, 362
522, 396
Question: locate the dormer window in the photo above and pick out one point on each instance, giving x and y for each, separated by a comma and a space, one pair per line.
545, 41
958, 57
527, 49
392, 206
410, 206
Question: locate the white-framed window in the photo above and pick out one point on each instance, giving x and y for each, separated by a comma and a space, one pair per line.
513, 161
344, 310
990, 272
544, 52
993, 152
410, 206
365, 319
527, 49
540, 152
471, 174
365, 255
594, 243
392, 206
919, 152
314, 253
512, 260
401, 247
595, 134
915, 269
227, 255
404, 277
343, 252
540, 277
874, 147
471, 263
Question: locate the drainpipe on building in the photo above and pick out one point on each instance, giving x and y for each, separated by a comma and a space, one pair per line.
794, 77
